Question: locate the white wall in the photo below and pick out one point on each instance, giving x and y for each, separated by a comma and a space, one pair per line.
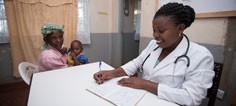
147, 12
103, 16
207, 30
106, 44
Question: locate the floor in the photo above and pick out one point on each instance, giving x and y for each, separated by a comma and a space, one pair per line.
14, 94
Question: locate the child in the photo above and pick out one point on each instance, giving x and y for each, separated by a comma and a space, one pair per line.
54, 54
75, 55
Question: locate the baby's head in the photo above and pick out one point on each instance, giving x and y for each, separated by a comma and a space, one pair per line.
76, 47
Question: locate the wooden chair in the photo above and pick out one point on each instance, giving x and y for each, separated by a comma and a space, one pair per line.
211, 93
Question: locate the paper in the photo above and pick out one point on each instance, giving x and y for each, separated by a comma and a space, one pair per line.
116, 94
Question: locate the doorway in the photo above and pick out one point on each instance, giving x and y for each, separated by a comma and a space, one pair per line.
130, 29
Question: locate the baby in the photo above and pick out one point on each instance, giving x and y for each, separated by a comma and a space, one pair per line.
75, 56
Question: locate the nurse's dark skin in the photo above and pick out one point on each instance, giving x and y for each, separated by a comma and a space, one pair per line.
166, 32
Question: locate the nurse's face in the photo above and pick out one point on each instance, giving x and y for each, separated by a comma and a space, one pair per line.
166, 31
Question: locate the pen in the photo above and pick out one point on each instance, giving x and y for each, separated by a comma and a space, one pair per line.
100, 65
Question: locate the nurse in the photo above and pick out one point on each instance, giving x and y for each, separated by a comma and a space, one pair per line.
184, 80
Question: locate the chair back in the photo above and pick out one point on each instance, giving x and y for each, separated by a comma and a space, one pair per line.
212, 92
26, 71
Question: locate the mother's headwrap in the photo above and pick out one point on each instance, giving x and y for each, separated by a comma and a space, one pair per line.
47, 30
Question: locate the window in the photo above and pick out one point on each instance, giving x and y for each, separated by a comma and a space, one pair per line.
83, 32
4, 35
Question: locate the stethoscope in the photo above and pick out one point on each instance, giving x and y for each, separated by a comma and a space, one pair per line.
176, 60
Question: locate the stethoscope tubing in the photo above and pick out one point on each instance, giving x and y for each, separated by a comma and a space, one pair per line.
176, 60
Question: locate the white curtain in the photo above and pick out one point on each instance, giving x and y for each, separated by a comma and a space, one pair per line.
83, 32
4, 34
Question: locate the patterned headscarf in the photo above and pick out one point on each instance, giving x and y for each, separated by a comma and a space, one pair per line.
47, 29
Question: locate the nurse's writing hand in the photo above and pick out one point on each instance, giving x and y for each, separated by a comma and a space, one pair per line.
102, 76
133, 82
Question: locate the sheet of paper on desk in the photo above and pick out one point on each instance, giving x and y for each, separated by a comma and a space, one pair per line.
116, 94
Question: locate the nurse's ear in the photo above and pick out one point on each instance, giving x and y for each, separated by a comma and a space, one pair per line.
181, 28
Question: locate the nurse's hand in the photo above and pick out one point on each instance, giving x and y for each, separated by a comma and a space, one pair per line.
102, 76
138, 83
133, 82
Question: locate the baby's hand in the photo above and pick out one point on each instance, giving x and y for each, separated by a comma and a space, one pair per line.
72, 54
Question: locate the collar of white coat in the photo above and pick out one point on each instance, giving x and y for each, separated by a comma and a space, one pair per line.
178, 51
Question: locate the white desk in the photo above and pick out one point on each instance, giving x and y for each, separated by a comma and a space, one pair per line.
67, 87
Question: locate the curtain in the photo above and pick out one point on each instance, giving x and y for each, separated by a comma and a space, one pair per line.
25, 18
83, 31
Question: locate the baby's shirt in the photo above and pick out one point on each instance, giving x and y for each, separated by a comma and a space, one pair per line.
82, 58
69, 60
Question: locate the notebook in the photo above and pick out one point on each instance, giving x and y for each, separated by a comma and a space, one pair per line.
116, 94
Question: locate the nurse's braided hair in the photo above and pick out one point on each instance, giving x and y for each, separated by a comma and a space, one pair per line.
181, 14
